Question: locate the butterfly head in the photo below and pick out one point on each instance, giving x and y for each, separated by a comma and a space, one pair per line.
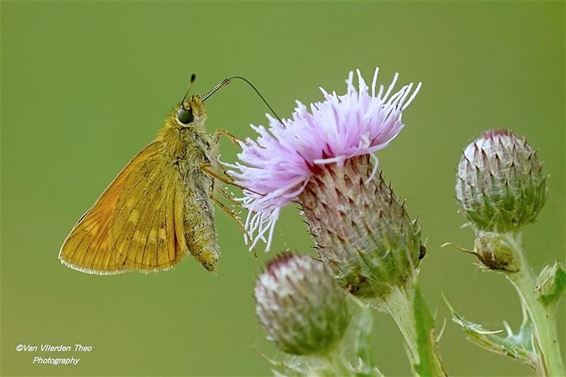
191, 112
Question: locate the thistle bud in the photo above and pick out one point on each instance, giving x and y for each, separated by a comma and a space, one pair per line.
495, 253
500, 184
362, 230
301, 306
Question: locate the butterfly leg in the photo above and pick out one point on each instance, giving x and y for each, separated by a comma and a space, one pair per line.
208, 169
221, 132
215, 143
229, 211
223, 177
229, 197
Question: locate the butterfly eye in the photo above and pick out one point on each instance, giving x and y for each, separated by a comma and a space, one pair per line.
185, 116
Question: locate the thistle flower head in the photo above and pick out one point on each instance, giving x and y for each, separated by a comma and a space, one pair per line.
277, 166
362, 230
500, 184
300, 305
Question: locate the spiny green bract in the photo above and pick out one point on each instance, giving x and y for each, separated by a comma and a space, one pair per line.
362, 230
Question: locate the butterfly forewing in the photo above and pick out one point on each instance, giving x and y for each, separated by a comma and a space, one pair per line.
135, 224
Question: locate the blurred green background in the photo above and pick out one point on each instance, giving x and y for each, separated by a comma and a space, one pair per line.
84, 86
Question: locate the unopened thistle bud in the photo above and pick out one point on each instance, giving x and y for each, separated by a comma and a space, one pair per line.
299, 303
321, 158
495, 252
500, 183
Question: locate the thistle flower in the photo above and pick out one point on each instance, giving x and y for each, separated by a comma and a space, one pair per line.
500, 184
277, 167
300, 305
323, 160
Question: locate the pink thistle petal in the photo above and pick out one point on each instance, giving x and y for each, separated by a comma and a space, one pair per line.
276, 167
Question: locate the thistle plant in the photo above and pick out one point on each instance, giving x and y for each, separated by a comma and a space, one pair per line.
324, 159
501, 189
369, 248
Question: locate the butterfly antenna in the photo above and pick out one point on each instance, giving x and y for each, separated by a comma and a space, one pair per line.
227, 81
206, 95
193, 78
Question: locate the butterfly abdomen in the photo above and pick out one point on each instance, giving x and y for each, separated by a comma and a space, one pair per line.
199, 219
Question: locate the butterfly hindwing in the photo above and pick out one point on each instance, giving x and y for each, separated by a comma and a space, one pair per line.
135, 224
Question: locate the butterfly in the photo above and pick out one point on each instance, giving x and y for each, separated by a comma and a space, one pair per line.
160, 207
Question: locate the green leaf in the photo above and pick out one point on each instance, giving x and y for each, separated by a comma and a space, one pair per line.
517, 346
426, 342
551, 284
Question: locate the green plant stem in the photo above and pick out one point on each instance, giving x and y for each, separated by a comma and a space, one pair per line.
543, 319
416, 324
336, 365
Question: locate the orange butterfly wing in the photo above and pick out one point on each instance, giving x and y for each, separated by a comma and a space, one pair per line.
136, 224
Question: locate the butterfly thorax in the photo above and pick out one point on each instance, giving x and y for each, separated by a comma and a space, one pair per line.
188, 148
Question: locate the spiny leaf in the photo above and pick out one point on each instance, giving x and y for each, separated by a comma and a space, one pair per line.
517, 346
